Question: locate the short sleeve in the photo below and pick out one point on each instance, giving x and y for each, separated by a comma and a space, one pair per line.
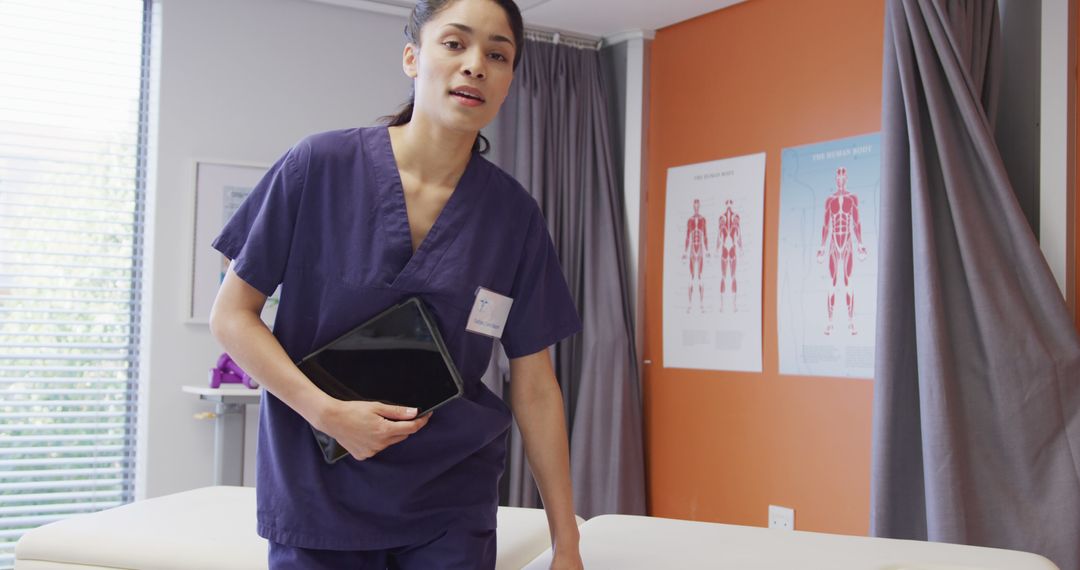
543, 311
258, 237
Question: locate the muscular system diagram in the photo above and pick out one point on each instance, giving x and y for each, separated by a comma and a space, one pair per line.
696, 249
729, 246
700, 329
841, 236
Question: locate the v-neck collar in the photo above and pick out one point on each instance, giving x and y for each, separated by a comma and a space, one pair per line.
395, 216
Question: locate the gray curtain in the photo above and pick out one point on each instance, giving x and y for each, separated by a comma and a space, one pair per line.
552, 135
977, 396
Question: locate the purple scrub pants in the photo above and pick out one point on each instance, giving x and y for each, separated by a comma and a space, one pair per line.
453, 549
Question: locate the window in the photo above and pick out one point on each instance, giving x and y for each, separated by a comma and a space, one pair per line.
73, 99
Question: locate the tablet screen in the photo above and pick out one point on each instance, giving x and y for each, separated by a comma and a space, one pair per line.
396, 357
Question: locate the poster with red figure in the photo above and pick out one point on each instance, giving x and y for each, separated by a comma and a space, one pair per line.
713, 230
826, 286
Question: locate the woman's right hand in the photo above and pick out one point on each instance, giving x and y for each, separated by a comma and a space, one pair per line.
366, 428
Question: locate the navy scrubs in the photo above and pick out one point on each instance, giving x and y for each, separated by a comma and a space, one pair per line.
328, 223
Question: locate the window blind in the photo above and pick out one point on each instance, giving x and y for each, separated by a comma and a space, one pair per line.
73, 108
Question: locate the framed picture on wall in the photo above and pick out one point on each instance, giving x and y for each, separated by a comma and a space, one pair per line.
826, 281
220, 188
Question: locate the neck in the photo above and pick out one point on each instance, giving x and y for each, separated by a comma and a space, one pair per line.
433, 154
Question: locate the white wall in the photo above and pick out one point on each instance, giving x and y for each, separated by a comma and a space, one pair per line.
636, 134
237, 80
1054, 148
628, 53
1017, 121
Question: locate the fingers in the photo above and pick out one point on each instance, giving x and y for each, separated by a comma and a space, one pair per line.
391, 412
389, 433
405, 427
371, 427
362, 455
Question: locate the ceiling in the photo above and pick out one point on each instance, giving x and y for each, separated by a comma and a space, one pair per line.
607, 18
590, 18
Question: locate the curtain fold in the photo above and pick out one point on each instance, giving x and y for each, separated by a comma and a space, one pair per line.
977, 395
552, 135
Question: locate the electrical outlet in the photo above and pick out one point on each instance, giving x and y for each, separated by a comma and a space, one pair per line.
781, 518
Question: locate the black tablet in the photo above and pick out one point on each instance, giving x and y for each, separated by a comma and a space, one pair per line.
397, 357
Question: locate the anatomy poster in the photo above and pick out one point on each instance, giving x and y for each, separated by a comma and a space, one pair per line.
712, 264
827, 257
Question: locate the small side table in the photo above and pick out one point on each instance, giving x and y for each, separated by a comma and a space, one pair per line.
230, 409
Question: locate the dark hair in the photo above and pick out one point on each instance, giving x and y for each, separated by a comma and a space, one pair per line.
424, 11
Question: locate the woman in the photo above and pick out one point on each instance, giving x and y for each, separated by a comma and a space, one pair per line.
351, 222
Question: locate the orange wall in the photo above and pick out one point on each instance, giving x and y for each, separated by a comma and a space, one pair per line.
759, 76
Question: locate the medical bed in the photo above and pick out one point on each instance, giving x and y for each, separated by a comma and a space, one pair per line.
632, 542
208, 528
214, 527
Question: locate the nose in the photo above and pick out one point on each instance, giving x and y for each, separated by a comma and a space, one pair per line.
470, 71
475, 66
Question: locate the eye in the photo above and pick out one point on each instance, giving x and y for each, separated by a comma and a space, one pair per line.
452, 44
498, 57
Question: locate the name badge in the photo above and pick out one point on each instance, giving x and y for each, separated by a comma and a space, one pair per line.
489, 312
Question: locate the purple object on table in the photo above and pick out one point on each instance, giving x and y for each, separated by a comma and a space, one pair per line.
228, 371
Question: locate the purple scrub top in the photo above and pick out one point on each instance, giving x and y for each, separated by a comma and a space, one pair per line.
328, 223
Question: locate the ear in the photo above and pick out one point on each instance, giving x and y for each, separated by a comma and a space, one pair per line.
410, 60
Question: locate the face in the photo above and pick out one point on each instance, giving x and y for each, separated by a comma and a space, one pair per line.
841, 177
697, 206
463, 66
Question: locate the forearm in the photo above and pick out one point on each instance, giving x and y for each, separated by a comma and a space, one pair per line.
538, 408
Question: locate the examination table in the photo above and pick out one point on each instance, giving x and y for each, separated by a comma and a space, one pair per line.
214, 528
631, 542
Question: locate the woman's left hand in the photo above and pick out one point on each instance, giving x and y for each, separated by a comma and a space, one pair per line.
569, 559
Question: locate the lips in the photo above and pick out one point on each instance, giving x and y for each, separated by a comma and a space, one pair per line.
469, 93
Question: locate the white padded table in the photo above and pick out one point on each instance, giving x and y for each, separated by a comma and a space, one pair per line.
633, 542
212, 527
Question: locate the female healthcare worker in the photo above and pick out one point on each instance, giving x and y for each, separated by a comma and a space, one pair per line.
351, 222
